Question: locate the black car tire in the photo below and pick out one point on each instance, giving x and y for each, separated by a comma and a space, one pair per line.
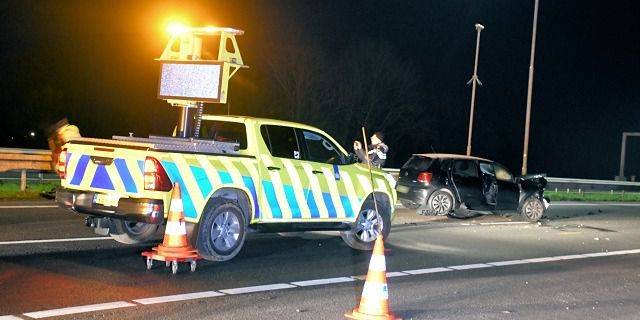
221, 226
440, 203
532, 209
352, 237
129, 232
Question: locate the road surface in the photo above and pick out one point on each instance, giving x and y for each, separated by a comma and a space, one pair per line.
580, 263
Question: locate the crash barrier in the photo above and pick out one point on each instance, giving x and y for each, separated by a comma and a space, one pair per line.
563, 184
35, 159
23, 160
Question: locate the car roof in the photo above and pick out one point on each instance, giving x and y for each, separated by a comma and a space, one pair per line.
233, 118
449, 156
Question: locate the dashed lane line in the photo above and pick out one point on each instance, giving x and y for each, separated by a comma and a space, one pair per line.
179, 297
53, 240
305, 283
80, 309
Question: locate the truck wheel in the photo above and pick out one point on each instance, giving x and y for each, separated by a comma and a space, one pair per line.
130, 232
222, 232
364, 232
532, 209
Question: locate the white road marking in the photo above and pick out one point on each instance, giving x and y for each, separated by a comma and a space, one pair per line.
29, 207
179, 297
599, 254
322, 281
80, 309
616, 204
507, 263
268, 287
54, 240
470, 266
396, 274
544, 259
503, 223
428, 270
9, 318
572, 256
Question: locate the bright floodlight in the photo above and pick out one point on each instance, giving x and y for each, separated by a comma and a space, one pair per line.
190, 81
176, 28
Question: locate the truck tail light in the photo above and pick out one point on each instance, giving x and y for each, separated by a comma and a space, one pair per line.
61, 166
425, 177
155, 178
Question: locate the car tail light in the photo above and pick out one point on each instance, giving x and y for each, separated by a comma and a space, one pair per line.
155, 178
61, 166
425, 177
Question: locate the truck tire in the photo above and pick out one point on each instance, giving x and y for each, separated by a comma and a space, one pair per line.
363, 233
222, 232
130, 232
532, 209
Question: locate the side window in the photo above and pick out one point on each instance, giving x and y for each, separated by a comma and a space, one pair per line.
465, 169
486, 168
281, 141
502, 173
224, 131
320, 149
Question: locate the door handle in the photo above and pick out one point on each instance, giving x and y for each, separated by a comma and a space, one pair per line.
316, 172
270, 168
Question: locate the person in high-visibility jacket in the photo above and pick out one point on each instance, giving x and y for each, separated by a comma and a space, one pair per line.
377, 150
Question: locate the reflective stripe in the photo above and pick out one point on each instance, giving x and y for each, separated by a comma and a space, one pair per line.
176, 205
101, 179
375, 291
334, 193
351, 193
365, 183
276, 212
79, 170
210, 170
261, 207
298, 190
314, 195
278, 188
176, 228
188, 184
377, 263
125, 175
174, 176
202, 180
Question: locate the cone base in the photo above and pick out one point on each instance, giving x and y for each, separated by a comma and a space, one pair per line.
183, 255
355, 314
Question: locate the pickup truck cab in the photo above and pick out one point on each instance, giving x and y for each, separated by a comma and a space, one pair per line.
242, 175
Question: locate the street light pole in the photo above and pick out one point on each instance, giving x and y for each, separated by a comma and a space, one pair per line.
527, 124
474, 80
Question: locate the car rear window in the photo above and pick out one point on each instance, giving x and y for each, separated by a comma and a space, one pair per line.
418, 163
225, 131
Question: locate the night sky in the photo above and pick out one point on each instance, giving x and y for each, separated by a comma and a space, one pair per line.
92, 62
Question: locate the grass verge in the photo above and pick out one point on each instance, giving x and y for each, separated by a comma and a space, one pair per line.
592, 196
10, 190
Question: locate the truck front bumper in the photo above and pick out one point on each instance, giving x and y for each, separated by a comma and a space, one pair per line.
131, 209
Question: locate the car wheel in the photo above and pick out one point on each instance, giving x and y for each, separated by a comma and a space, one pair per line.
222, 232
366, 229
532, 209
130, 232
440, 203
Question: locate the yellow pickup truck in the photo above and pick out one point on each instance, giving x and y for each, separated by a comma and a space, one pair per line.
242, 175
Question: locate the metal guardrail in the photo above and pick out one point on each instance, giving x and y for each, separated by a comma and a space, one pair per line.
571, 183
23, 160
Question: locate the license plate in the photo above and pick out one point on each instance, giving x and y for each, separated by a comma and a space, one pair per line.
402, 189
106, 199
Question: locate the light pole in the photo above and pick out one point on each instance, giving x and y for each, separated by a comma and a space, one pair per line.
474, 80
623, 152
527, 124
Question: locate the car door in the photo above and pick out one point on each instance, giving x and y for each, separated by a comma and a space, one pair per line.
508, 189
283, 177
467, 180
327, 195
489, 183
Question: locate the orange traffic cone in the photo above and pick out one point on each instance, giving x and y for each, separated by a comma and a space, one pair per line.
175, 246
374, 303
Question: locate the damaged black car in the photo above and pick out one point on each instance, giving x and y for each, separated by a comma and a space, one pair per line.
464, 186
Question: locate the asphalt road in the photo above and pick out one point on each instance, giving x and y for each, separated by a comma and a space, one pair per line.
580, 263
